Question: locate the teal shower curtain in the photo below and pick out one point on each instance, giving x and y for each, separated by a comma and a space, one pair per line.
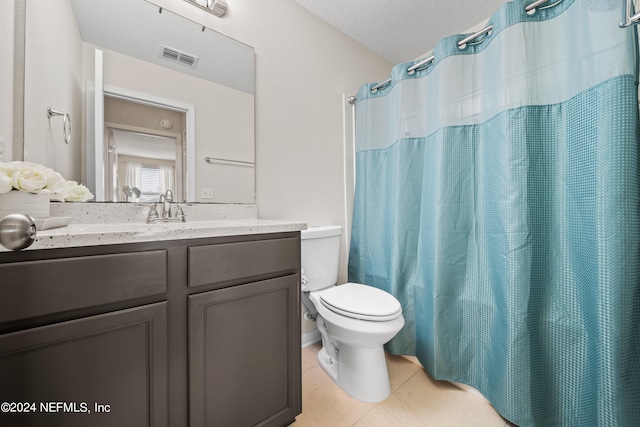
497, 197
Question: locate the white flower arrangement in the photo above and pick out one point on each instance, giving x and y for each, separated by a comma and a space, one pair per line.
34, 178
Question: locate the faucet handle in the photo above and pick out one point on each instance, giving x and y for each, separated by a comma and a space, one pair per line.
153, 215
180, 213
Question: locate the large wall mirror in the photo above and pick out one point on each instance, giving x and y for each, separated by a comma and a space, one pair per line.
156, 101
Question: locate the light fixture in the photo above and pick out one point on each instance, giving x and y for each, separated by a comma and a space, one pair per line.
217, 7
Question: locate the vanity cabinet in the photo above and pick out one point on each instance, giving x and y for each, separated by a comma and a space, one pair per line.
197, 332
104, 370
84, 338
242, 370
244, 336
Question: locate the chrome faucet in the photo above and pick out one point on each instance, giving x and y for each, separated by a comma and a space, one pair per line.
167, 213
166, 199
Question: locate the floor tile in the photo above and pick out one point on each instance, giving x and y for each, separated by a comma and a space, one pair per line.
422, 401
309, 358
324, 404
379, 417
415, 400
400, 370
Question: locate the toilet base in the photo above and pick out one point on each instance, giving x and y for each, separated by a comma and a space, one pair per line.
361, 372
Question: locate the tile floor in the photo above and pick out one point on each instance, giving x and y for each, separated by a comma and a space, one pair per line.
415, 400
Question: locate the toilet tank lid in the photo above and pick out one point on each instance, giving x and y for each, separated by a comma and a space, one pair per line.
321, 231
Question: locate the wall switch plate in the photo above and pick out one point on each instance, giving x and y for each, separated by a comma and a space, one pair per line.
206, 193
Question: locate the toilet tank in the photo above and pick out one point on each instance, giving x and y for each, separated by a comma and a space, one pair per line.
320, 248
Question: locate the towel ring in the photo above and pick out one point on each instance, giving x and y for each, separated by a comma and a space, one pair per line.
66, 126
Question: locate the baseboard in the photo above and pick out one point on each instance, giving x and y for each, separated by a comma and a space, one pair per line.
309, 338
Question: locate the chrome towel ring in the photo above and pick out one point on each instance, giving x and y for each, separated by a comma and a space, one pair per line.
66, 126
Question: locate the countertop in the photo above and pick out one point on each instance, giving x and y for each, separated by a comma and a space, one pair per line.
74, 235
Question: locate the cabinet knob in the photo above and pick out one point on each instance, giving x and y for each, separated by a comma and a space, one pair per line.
17, 231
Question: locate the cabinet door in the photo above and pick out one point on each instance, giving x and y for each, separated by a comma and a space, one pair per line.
104, 370
244, 354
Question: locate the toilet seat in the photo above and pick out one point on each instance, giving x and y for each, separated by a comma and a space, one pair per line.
361, 302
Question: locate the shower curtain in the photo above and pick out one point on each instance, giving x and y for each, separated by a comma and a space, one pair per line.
497, 196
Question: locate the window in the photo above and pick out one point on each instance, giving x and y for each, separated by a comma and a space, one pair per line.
149, 181
150, 184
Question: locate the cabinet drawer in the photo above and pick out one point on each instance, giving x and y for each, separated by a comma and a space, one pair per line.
242, 260
37, 288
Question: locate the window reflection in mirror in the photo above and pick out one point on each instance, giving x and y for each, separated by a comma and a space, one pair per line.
145, 151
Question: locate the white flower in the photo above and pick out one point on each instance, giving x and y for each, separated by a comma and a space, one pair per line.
9, 168
58, 186
35, 178
5, 183
78, 193
54, 180
62, 191
29, 177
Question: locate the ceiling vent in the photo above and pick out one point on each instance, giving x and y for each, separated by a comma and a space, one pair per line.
178, 56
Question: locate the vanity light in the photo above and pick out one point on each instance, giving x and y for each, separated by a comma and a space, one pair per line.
217, 7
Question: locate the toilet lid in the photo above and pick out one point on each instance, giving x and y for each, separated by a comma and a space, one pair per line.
361, 302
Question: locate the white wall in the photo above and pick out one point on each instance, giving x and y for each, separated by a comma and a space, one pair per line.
53, 78
7, 28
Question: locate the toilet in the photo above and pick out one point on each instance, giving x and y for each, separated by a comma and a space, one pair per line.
354, 320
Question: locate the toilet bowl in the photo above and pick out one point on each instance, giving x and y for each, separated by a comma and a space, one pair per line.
354, 320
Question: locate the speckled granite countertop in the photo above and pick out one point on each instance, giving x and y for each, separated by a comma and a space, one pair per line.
75, 235
115, 223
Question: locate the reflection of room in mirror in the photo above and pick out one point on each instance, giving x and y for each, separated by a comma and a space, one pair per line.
145, 151
218, 93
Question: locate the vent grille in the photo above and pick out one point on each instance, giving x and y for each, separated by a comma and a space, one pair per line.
178, 56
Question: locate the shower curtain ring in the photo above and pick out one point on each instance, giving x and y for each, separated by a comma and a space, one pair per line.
532, 8
475, 38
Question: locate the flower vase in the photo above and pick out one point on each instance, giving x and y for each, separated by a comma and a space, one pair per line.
37, 205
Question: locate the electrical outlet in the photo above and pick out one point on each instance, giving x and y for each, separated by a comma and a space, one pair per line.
206, 193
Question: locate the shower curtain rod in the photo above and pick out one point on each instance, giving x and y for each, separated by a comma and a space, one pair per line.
630, 20
426, 62
529, 9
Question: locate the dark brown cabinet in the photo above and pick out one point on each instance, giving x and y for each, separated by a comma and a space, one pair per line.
243, 367
200, 332
103, 370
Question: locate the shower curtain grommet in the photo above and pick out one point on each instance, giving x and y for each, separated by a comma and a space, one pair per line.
534, 7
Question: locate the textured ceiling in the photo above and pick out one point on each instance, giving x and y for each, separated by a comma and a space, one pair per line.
401, 30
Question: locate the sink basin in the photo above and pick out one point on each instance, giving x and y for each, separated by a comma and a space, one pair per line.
127, 227
132, 227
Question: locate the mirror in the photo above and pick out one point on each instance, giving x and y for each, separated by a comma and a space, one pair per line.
194, 88
144, 158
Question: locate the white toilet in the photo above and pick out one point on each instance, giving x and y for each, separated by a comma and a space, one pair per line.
354, 320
